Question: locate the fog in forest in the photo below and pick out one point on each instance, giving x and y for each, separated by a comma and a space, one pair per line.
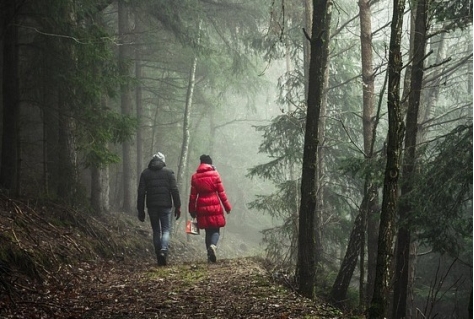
100, 88
235, 151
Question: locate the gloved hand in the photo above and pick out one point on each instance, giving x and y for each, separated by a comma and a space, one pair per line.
193, 214
228, 212
141, 216
177, 212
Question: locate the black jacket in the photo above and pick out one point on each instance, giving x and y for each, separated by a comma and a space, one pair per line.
158, 185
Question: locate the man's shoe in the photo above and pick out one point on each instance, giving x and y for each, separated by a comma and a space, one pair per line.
162, 258
211, 253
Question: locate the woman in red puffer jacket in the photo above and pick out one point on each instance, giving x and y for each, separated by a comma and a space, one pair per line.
205, 203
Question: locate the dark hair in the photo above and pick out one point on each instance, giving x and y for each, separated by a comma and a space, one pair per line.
206, 159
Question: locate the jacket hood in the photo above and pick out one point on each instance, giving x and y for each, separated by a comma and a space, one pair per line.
156, 164
203, 167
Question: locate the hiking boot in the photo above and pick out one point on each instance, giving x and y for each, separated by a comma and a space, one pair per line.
162, 258
211, 253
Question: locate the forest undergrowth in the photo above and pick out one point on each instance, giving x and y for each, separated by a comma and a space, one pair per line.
56, 262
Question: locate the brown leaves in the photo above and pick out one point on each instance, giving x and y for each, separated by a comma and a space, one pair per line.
79, 279
236, 288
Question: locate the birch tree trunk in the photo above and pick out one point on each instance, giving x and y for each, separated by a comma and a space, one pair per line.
187, 114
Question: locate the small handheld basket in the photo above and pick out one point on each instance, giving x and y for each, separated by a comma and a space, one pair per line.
192, 227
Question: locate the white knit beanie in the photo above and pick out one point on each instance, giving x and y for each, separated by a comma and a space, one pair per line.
160, 156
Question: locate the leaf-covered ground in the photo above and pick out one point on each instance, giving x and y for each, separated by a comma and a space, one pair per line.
238, 288
55, 263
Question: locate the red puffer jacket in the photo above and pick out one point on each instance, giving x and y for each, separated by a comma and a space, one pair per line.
207, 194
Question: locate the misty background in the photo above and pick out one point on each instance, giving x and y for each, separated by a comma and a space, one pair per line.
92, 89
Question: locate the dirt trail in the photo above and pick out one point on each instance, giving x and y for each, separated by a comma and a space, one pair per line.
56, 262
232, 288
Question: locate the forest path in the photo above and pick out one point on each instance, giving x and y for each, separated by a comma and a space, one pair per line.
230, 288
57, 262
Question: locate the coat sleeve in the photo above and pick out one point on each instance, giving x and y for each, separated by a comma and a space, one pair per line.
192, 198
141, 194
174, 191
221, 193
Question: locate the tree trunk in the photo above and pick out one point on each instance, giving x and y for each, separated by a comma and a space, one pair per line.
307, 258
186, 133
357, 236
367, 76
67, 168
373, 215
308, 9
67, 161
100, 190
431, 94
96, 189
320, 163
411, 280
378, 304
125, 101
50, 127
356, 240
293, 250
339, 289
183, 159
138, 100
372, 248
404, 236
369, 132
212, 132
187, 114
10, 160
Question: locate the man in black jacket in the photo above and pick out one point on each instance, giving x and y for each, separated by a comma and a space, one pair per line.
158, 185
